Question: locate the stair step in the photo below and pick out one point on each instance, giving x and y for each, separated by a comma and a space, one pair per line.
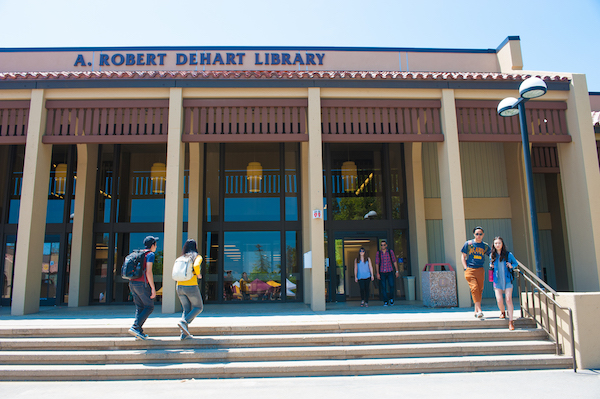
62, 357
282, 368
262, 329
396, 337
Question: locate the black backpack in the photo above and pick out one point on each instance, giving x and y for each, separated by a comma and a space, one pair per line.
134, 265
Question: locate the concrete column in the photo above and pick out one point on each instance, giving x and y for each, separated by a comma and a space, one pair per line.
32, 212
314, 179
173, 199
453, 212
196, 192
306, 213
581, 189
519, 204
83, 225
416, 211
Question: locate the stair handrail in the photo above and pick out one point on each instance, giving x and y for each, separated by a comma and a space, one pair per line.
539, 286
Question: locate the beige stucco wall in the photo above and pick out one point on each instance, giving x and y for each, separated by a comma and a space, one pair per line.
254, 59
585, 307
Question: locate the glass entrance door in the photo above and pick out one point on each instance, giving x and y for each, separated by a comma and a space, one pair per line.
339, 270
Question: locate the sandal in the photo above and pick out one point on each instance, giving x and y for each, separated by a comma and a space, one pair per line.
502, 315
511, 325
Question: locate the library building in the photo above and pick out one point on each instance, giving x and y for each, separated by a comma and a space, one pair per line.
283, 162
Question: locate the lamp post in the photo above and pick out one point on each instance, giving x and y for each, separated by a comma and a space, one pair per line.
510, 106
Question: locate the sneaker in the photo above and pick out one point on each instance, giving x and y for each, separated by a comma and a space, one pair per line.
184, 327
391, 302
385, 304
138, 335
183, 337
480, 315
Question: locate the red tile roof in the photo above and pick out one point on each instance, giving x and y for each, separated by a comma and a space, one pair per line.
337, 75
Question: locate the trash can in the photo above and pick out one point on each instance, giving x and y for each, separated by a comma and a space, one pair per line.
439, 286
409, 288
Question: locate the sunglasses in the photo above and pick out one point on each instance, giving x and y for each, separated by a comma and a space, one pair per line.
478, 234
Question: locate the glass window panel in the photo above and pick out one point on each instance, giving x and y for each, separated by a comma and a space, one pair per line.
291, 181
252, 182
401, 252
57, 185
293, 271
210, 275
254, 259
339, 269
8, 266
186, 183
142, 183
67, 275
4, 178
211, 181
127, 243
397, 182
105, 184
49, 267
100, 276
16, 183
357, 183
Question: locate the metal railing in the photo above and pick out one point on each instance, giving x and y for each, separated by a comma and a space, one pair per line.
528, 282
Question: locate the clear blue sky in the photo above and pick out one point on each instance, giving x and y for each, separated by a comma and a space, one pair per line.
565, 38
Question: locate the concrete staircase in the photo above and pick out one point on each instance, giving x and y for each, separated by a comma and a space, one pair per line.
286, 349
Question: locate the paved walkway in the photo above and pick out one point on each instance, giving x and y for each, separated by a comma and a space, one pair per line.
489, 385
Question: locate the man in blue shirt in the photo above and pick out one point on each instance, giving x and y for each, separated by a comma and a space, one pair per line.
473, 257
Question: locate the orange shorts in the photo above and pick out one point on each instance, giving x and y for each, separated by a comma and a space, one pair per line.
475, 279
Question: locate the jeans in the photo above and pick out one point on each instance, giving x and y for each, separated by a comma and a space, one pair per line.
387, 279
191, 301
364, 285
144, 305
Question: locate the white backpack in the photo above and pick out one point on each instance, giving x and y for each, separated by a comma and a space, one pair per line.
183, 269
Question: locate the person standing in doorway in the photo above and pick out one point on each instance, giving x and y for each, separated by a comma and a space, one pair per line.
188, 291
363, 275
385, 263
502, 263
143, 290
473, 257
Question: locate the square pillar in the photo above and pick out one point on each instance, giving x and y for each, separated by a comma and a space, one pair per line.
32, 214
581, 189
313, 190
451, 189
173, 199
83, 225
416, 211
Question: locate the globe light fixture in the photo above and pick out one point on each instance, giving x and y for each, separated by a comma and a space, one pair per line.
533, 88
507, 107
530, 88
